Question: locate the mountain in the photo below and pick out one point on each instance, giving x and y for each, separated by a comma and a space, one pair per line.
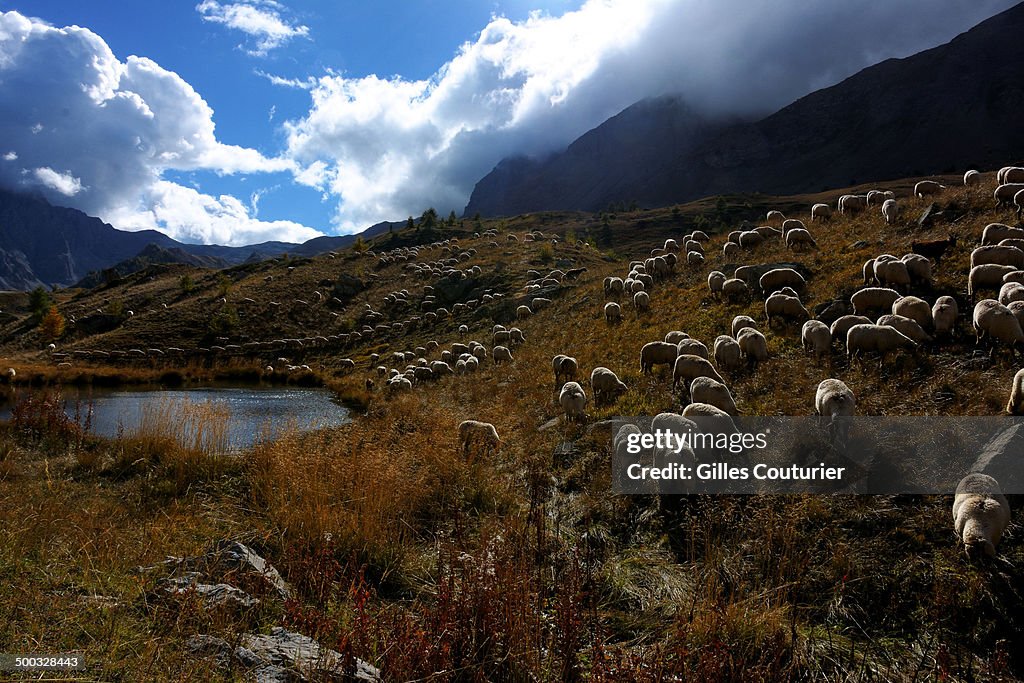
943, 110
42, 244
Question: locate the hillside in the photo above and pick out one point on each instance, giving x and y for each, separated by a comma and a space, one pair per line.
524, 561
951, 107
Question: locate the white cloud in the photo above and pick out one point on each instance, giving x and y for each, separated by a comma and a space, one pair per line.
10, 156
391, 147
65, 183
262, 24
113, 128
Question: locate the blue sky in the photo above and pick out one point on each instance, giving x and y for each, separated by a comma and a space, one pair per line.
247, 120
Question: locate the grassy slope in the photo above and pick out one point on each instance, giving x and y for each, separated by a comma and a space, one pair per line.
526, 563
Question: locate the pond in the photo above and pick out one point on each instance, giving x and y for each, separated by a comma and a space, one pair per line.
242, 415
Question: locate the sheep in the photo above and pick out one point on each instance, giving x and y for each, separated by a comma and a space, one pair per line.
891, 272
1015, 406
852, 203
821, 212
641, 302
1005, 193
612, 313
889, 210
735, 289
716, 279
694, 258
996, 323
785, 307
980, 514
1010, 292
915, 309
675, 336
657, 353
799, 238
11, 374
689, 367
1014, 276
753, 345
906, 326
994, 233
398, 384
750, 239
944, 315
869, 272
989, 275
707, 390
564, 366
1018, 202
1011, 174
523, 312
439, 367
926, 188
699, 235
999, 255
781, 277
538, 303
727, 354
919, 268
500, 337
972, 178
615, 287
880, 338
835, 401
692, 347
870, 298
774, 215
501, 354
671, 245
933, 249
740, 322
606, 385
573, 400
474, 436
730, 250
816, 337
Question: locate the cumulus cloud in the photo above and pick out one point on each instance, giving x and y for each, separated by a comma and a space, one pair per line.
259, 20
112, 129
391, 147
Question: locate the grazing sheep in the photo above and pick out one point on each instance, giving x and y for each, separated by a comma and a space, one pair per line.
474, 435
785, 307
889, 210
500, 337
727, 354
750, 239
1015, 406
692, 347
994, 233
641, 302
798, 238
11, 374
852, 203
821, 212
919, 268
876, 338
944, 315
870, 298
573, 400
926, 188
710, 391
606, 385
1011, 174
998, 255
1010, 292
735, 289
689, 367
615, 287
730, 250
675, 336
740, 322
933, 249
980, 514
716, 279
538, 303
915, 309
778, 278
893, 273
564, 366
753, 345
657, 353
792, 224
906, 326
996, 323
972, 178
1018, 202
817, 338
775, 216
835, 401
986, 276
523, 312
1005, 193
708, 410
612, 313
699, 235
694, 258
439, 367
500, 354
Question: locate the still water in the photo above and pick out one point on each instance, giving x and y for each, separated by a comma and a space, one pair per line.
254, 412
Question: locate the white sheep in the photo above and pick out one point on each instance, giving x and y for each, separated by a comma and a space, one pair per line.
835, 401
1010, 174
892, 273
926, 188
750, 238
919, 268
972, 178
753, 345
523, 312
641, 302
1018, 202
1005, 193
875, 338
612, 313
980, 514
474, 435
689, 367
606, 385
735, 289
500, 354
707, 390
1010, 292
778, 278
775, 216
998, 255
740, 322
798, 238
986, 276
730, 250
870, 298
821, 212
816, 338
1015, 406
11, 374
716, 279
564, 366
852, 203
657, 353
889, 210
786, 307
675, 336
573, 400
994, 233
692, 347
694, 258
996, 323
944, 315
915, 309
906, 326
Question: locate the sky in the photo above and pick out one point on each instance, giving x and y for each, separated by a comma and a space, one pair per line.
242, 121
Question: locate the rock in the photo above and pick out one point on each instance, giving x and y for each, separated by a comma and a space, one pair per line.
565, 449
288, 651
859, 244
1000, 459
213, 596
929, 215
830, 311
226, 557
553, 422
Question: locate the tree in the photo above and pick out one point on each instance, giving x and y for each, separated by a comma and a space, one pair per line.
452, 219
39, 301
410, 224
186, 283
52, 324
360, 245
428, 221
